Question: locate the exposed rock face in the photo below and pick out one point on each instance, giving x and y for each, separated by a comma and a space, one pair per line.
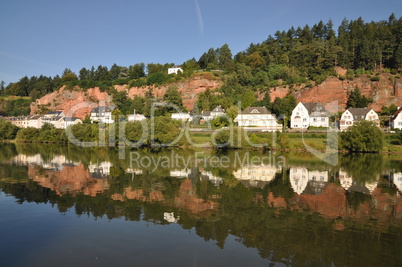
332, 91
190, 89
76, 103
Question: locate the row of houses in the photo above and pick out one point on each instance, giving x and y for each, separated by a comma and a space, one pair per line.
56, 118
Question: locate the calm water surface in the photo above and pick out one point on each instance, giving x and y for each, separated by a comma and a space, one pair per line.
69, 206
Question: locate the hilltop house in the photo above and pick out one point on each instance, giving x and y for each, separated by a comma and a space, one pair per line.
216, 112
258, 117
396, 119
102, 114
353, 115
175, 70
309, 114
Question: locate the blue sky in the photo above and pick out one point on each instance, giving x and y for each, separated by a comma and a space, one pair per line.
44, 37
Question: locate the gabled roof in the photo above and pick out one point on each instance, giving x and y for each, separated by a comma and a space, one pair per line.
359, 111
396, 113
71, 118
256, 110
315, 107
102, 109
206, 113
218, 109
54, 113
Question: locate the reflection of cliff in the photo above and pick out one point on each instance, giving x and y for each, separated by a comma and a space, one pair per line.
70, 179
333, 202
186, 198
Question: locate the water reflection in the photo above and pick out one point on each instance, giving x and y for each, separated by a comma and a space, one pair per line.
278, 210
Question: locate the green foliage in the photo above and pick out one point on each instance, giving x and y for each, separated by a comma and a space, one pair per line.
357, 100
157, 78
375, 78
364, 136
8, 131
165, 131
220, 121
173, 96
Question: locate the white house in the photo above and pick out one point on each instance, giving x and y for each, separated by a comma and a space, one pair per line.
309, 114
136, 117
216, 112
352, 115
182, 116
69, 121
396, 120
102, 114
175, 70
35, 121
258, 117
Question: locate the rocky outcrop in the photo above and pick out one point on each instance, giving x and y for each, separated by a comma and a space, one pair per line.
190, 89
78, 103
74, 103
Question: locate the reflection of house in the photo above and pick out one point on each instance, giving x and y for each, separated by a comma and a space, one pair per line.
300, 178
256, 175
258, 117
352, 115
180, 173
102, 114
345, 180
100, 170
56, 163
397, 180
205, 175
309, 114
216, 112
169, 216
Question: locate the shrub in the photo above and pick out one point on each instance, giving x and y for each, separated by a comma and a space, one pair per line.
375, 78
365, 136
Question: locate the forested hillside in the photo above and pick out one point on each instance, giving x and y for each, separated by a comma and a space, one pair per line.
301, 56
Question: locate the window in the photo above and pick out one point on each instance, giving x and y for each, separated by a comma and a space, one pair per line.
315, 119
323, 119
399, 123
304, 119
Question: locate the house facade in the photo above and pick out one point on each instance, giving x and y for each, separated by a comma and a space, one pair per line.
69, 121
305, 115
102, 114
258, 117
136, 117
175, 70
216, 112
396, 120
181, 116
353, 115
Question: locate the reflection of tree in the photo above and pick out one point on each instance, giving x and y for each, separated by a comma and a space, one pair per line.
362, 167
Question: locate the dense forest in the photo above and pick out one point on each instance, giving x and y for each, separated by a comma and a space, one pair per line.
299, 56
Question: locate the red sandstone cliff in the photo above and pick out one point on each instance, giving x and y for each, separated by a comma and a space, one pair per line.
387, 91
78, 103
